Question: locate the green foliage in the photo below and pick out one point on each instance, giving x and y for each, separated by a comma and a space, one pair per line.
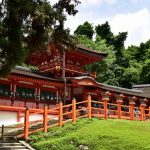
145, 73
27, 26
101, 68
96, 134
123, 67
104, 31
130, 74
85, 29
139, 58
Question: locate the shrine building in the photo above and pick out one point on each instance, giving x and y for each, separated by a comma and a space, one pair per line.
34, 88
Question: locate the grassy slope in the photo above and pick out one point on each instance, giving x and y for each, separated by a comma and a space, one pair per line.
97, 135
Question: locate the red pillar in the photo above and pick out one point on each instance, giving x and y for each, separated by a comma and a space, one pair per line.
18, 116
37, 95
26, 123
131, 110
142, 109
106, 99
60, 114
45, 119
105, 108
119, 102
73, 110
13, 91
89, 106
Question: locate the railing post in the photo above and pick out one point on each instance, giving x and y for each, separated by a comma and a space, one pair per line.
105, 108
119, 102
60, 114
18, 116
142, 109
119, 110
131, 111
89, 106
105, 100
132, 103
2, 132
73, 110
45, 119
26, 123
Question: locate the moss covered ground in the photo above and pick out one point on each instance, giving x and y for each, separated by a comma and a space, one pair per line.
95, 134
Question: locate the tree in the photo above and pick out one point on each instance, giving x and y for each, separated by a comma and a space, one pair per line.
85, 29
27, 26
145, 73
104, 31
119, 48
104, 74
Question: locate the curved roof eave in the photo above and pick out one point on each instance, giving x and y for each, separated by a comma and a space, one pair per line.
116, 89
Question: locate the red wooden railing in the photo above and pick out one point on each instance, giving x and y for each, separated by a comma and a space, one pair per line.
71, 112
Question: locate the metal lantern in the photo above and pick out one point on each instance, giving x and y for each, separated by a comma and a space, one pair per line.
143, 102
106, 96
121, 97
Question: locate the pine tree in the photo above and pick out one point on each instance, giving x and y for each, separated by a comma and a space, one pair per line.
27, 26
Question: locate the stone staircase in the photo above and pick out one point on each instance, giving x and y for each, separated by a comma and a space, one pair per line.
10, 141
15, 132
13, 144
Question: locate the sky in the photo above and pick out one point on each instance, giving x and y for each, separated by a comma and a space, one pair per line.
132, 16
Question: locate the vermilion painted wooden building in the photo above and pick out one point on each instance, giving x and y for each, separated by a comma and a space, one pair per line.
25, 87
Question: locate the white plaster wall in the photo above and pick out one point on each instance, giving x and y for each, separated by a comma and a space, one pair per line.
8, 118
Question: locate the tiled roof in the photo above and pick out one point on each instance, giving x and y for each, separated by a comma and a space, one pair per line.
85, 49
24, 71
141, 85
116, 89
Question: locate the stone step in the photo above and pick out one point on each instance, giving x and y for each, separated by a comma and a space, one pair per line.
10, 144
12, 147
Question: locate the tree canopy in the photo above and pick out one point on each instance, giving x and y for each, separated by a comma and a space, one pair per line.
85, 29
27, 26
124, 66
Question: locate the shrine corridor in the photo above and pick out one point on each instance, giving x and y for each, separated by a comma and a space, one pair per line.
34, 120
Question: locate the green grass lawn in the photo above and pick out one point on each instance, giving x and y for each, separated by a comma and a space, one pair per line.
97, 135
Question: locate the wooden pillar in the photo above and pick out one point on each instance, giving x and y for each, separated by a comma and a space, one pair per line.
60, 114
26, 123
18, 116
57, 95
105, 100
37, 95
13, 91
132, 110
89, 106
119, 110
105, 108
142, 109
45, 119
73, 110
119, 102
132, 104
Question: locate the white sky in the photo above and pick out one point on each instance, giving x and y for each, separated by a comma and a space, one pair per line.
132, 16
